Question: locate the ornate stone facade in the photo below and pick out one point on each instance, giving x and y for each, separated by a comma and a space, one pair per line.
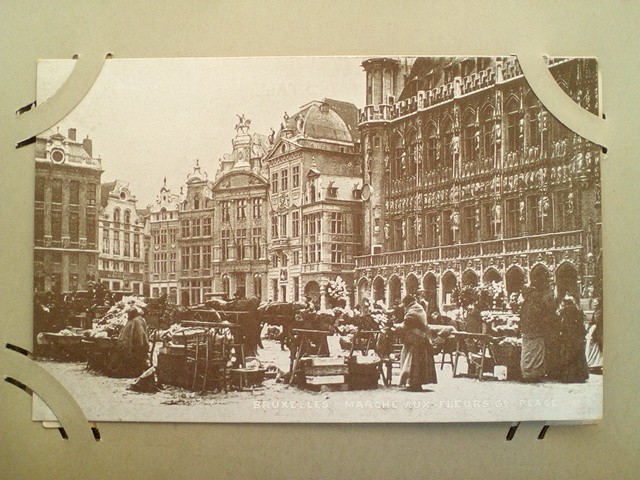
121, 240
67, 189
314, 209
470, 180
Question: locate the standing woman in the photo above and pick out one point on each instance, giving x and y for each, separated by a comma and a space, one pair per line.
573, 366
533, 327
416, 360
594, 339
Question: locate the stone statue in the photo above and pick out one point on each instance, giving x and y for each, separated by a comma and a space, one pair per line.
242, 127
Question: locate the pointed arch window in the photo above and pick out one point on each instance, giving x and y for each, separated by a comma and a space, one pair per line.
470, 138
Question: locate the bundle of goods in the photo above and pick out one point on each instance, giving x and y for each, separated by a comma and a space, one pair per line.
196, 356
507, 352
364, 371
324, 372
110, 325
501, 323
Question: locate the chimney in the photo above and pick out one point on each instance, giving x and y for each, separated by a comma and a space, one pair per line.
87, 145
72, 134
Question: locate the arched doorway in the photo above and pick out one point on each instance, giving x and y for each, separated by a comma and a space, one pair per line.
567, 280
540, 277
469, 278
430, 286
395, 290
514, 280
491, 275
312, 290
378, 289
411, 284
363, 290
449, 284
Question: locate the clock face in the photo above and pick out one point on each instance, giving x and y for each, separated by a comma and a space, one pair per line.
366, 192
57, 156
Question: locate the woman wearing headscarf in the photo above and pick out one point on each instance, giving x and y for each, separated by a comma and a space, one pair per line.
573, 362
416, 360
133, 345
533, 316
594, 339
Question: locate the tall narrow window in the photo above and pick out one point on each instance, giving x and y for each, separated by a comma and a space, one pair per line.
224, 211
337, 222
488, 133
432, 147
295, 224
274, 182
74, 192
295, 176
515, 127
284, 179
241, 209
257, 208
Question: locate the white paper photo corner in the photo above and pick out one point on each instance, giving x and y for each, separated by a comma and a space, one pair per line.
50, 399
67, 85
594, 128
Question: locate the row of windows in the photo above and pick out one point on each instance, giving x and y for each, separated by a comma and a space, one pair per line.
191, 228
165, 236
531, 215
245, 248
118, 266
311, 253
165, 214
479, 138
196, 257
163, 263
241, 209
73, 230
57, 191
112, 245
280, 179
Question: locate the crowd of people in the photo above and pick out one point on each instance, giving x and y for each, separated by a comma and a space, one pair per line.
555, 343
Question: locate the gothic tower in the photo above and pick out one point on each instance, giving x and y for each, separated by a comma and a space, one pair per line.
385, 81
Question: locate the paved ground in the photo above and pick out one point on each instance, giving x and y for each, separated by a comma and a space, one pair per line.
451, 399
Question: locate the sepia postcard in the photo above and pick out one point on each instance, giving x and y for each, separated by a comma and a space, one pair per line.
320, 239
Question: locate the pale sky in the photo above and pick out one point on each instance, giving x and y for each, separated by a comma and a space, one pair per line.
151, 118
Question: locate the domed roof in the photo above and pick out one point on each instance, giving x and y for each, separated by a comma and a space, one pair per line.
322, 122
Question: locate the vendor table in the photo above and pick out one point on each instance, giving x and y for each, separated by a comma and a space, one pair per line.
483, 349
301, 336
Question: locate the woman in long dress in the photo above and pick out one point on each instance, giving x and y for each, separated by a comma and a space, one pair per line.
594, 339
573, 366
416, 360
533, 318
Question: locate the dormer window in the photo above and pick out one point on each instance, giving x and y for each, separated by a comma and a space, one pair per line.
332, 191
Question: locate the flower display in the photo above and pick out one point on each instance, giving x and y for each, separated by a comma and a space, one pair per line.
337, 293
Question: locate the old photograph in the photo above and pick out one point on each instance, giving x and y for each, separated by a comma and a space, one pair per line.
320, 239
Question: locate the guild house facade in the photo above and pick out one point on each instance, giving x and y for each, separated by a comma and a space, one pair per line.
314, 205
469, 180
67, 188
163, 245
121, 242
239, 192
